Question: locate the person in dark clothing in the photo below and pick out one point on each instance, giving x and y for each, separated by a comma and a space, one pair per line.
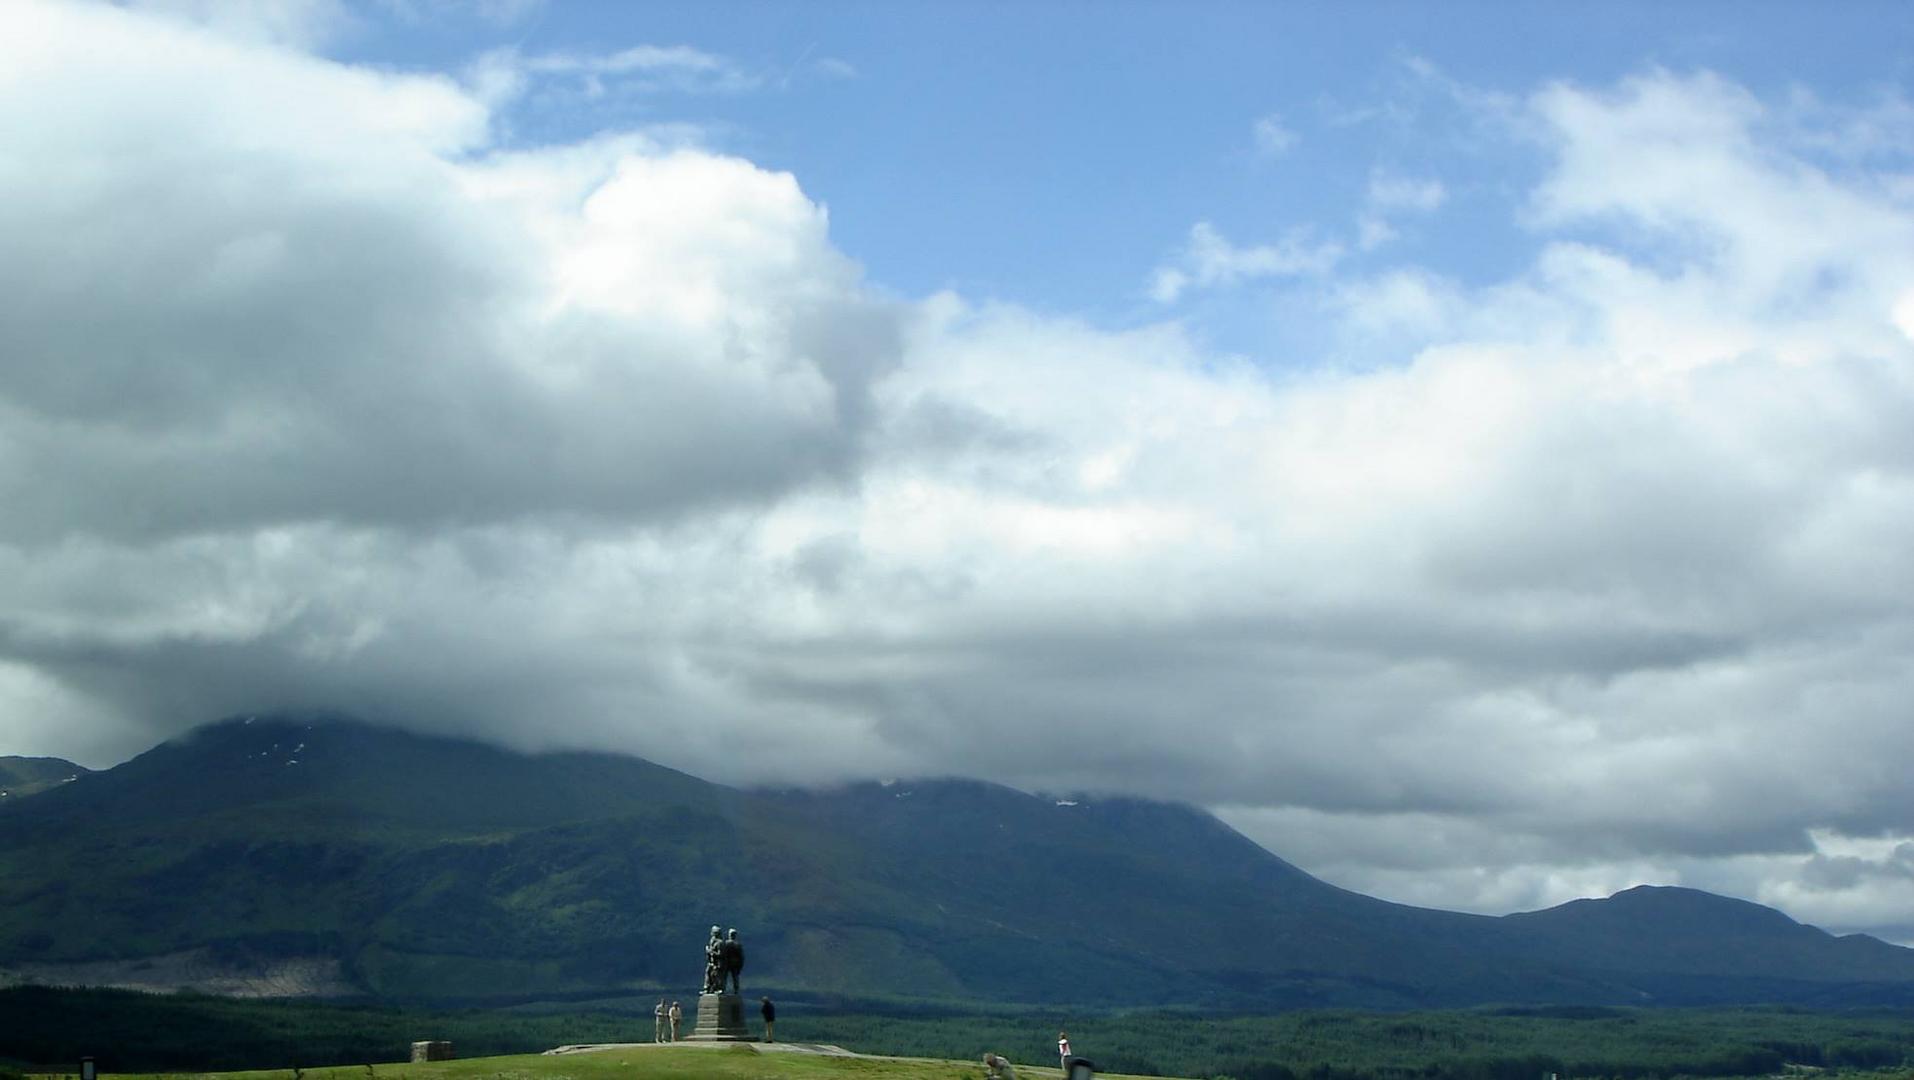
770, 1014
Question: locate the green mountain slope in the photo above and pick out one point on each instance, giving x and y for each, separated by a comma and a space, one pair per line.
361, 858
1686, 932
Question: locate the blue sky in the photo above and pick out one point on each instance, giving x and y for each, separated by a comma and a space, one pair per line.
1465, 445
1052, 154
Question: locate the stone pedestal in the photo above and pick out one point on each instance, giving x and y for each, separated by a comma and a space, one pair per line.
720, 1019
433, 1050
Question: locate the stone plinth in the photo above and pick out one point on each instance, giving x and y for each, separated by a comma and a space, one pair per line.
435, 1050
720, 1019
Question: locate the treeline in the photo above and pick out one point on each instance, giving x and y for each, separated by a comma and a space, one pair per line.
44, 1029
47, 1029
1474, 1044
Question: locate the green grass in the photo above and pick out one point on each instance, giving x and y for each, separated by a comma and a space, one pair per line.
184, 1035
735, 1062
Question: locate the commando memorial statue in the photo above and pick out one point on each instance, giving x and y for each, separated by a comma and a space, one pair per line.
721, 1014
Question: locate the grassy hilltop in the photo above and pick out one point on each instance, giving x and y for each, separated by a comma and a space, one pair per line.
46, 1031
733, 1062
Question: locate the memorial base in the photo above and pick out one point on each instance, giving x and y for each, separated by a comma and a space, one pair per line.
720, 1019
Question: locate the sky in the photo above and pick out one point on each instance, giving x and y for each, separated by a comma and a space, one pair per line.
1468, 447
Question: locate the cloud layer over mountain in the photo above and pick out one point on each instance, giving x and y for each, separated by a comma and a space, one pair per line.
315, 393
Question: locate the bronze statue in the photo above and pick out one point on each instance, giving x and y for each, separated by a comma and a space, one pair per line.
714, 963
732, 952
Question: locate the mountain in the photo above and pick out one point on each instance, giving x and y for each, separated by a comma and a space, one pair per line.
23, 776
317, 857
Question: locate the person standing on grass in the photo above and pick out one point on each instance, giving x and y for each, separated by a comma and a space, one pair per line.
676, 1015
1063, 1050
770, 1014
658, 1022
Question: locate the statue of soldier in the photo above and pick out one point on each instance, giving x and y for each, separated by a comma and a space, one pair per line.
732, 952
714, 962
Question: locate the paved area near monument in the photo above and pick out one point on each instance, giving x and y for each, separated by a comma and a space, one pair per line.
761, 1047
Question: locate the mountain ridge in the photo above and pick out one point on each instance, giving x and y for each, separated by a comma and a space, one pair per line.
21, 777
424, 867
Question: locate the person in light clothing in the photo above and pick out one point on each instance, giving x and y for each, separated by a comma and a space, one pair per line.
677, 1016
1063, 1050
658, 1022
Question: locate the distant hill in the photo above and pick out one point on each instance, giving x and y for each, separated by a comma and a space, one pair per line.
281, 856
23, 776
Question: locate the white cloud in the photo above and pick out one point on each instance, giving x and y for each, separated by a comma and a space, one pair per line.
1399, 309
495, 77
1391, 196
1209, 260
675, 61
505, 77
316, 396
1272, 136
299, 24
1373, 231
834, 68
498, 13
1389, 193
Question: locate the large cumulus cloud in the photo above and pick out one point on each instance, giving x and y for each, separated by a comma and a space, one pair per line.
314, 395
269, 290
287, 341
